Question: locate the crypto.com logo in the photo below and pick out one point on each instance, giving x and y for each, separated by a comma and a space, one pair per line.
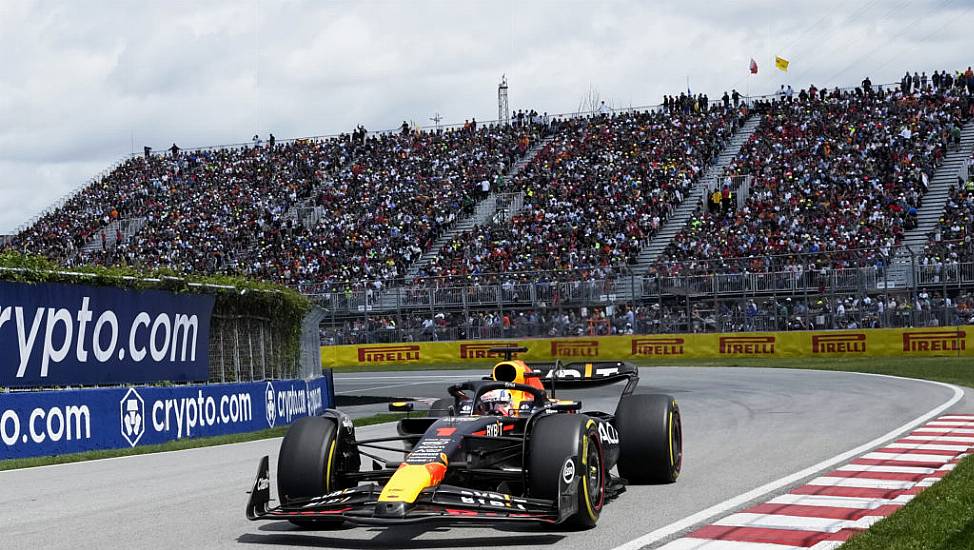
132, 414
270, 403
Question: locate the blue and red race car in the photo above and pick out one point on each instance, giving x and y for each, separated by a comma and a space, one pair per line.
502, 448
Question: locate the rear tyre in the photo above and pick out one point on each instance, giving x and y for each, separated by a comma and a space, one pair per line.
650, 438
554, 439
308, 465
442, 407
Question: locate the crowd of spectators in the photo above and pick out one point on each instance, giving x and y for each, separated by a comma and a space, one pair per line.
212, 207
952, 242
593, 195
384, 198
842, 172
835, 171
385, 208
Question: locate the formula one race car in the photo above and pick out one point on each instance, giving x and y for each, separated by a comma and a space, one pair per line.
499, 449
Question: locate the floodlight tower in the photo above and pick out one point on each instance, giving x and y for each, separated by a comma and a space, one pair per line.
503, 110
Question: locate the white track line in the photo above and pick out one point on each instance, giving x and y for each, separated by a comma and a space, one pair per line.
909, 457
862, 483
381, 387
839, 502
944, 438
929, 447
744, 498
952, 423
795, 523
886, 469
424, 377
944, 430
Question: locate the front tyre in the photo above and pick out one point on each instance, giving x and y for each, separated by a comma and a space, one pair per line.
650, 438
556, 438
308, 465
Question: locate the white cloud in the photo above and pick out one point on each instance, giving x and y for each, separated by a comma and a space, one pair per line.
83, 83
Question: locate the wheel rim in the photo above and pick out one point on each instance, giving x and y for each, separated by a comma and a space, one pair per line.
594, 474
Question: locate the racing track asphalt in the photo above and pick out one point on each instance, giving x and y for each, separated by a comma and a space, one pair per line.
743, 428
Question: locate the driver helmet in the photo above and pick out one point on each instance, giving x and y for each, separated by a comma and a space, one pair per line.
497, 402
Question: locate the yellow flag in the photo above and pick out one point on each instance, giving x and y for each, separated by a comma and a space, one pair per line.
781, 63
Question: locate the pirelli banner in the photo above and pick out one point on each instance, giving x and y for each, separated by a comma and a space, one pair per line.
927, 342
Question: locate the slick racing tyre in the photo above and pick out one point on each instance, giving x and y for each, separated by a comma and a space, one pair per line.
650, 438
442, 407
554, 440
309, 463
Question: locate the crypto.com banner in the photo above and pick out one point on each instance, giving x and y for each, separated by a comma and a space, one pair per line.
46, 423
71, 335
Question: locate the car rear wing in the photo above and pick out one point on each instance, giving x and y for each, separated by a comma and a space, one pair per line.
577, 374
580, 374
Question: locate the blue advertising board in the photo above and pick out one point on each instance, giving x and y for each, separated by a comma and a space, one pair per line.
46, 423
61, 335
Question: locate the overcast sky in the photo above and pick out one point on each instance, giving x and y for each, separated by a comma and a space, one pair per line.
83, 84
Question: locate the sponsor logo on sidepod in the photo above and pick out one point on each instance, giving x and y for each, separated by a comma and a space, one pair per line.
132, 412
608, 433
584, 348
935, 340
839, 343
568, 471
384, 354
657, 346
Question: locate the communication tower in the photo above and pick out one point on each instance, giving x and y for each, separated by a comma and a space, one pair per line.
503, 110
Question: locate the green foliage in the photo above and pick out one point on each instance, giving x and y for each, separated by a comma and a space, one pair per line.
284, 307
939, 518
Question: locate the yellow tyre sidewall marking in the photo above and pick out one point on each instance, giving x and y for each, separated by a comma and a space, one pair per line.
331, 456
584, 469
672, 442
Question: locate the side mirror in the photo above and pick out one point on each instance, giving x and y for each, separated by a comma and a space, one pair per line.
401, 406
567, 406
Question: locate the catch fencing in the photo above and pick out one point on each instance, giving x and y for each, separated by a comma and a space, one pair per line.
797, 292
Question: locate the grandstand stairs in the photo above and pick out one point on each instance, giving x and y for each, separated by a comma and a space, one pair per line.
500, 202
125, 227
675, 223
497, 202
928, 215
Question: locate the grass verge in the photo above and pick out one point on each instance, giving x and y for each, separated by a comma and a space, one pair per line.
177, 445
940, 518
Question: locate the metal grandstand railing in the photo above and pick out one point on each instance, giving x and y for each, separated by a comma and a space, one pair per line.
688, 297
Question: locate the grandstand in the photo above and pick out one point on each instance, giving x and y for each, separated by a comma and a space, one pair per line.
835, 209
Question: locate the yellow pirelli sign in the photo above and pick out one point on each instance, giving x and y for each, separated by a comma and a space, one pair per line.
940, 341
